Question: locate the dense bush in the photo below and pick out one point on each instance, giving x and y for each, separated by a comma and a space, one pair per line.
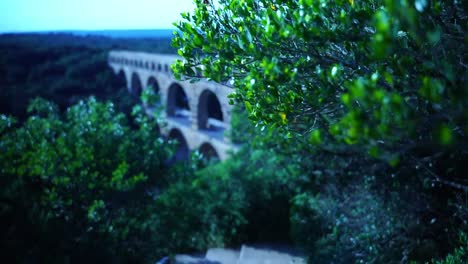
242, 128
87, 183
79, 185
202, 211
349, 225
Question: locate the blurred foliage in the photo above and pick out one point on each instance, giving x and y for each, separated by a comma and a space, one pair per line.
198, 212
242, 129
368, 98
76, 185
149, 97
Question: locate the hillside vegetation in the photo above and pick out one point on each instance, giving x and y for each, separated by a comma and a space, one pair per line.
63, 68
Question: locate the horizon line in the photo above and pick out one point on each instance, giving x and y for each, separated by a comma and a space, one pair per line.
84, 30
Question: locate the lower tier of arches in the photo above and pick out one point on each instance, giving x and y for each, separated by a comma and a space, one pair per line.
210, 144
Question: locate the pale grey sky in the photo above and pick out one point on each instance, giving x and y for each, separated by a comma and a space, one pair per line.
47, 15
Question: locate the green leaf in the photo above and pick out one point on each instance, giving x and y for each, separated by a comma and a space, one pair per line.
445, 135
315, 137
248, 106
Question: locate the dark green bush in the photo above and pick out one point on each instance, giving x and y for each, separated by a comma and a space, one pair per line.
205, 209
79, 185
351, 225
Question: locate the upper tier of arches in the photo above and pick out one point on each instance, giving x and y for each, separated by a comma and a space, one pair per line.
200, 111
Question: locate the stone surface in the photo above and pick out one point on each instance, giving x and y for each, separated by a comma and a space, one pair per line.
187, 259
221, 255
250, 255
246, 255
143, 68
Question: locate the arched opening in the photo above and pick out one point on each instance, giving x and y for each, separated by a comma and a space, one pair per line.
210, 115
153, 84
154, 97
208, 152
177, 102
182, 152
159, 67
136, 86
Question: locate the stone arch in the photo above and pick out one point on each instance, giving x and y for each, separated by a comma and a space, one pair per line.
152, 82
210, 113
177, 101
208, 151
182, 152
136, 87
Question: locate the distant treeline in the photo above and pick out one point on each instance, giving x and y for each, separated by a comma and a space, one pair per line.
62, 67
141, 33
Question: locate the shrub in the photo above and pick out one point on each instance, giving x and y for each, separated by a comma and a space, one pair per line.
79, 185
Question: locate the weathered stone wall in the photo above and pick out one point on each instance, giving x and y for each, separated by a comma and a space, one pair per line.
157, 66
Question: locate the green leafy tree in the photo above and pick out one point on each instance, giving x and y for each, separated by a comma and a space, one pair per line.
79, 185
365, 94
385, 77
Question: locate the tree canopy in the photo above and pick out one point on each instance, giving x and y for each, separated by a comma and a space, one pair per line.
368, 98
386, 77
82, 183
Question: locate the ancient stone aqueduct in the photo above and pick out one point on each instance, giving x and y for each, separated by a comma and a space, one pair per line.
197, 114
